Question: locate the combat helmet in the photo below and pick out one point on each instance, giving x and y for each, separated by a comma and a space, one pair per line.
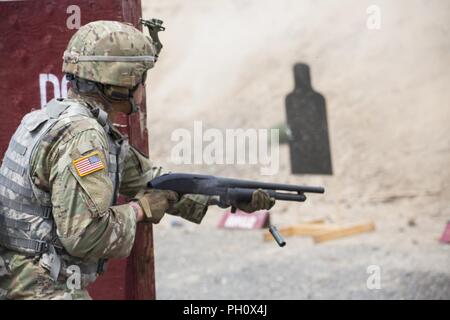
112, 57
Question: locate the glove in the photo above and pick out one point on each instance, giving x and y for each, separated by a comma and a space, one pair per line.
260, 200
155, 203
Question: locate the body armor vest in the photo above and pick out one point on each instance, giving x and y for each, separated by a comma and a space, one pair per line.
26, 221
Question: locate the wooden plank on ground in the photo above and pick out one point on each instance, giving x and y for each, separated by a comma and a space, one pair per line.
304, 229
315, 221
343, 232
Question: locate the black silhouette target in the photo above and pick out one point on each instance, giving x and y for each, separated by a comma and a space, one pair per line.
307, 121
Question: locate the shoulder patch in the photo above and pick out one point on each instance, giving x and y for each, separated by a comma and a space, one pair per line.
88, 164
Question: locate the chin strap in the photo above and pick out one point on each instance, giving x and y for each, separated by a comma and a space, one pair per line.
134, 106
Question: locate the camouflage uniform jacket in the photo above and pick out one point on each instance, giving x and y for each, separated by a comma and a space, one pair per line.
88, 226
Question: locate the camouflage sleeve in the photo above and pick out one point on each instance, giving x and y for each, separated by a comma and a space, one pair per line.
87, 225
139, 170
191, 207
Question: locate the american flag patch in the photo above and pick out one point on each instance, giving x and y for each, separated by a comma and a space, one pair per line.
88, 164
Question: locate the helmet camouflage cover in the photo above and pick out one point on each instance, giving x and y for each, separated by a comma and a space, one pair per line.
109, 52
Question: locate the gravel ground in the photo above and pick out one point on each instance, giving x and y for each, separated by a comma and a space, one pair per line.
204, 262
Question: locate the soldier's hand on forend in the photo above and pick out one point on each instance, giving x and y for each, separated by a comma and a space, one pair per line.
260, 200
155, 203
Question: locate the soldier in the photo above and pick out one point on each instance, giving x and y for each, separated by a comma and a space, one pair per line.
66, 164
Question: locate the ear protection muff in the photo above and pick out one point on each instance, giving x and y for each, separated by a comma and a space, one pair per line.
121, 94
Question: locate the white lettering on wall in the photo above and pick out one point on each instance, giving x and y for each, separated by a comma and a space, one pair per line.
59, 88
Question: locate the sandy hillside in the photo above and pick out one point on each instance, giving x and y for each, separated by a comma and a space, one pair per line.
229, 64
